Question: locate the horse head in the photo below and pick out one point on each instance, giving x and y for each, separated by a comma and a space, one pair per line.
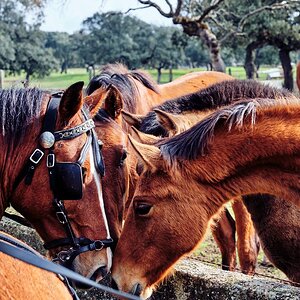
186, 179
51, 175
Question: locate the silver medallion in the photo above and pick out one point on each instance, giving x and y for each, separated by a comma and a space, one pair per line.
47, 139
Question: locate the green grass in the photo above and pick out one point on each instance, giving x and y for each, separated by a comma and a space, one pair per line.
59, 81
55, 81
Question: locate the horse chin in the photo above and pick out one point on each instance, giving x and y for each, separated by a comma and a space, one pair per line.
94, 267
143, 293
146, 293
137, 289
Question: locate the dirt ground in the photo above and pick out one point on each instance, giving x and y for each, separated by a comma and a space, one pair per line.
209, 252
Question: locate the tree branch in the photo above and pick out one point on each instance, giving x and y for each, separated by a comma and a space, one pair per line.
158, 8
137, 8
178, 8
209, 9
275, 6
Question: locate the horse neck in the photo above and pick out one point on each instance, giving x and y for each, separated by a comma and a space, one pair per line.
262, 159
147, 99
191, 83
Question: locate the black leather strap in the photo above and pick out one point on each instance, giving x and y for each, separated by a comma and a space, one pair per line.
44, 264
49, 121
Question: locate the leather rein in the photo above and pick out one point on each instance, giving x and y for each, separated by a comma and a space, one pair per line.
21, 251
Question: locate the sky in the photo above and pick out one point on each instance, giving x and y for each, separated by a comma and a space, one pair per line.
67, 15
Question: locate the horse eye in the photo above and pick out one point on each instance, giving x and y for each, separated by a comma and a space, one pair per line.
123, 157
83, 171
142, 209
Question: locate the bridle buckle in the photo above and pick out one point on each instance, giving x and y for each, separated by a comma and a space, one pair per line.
61, 216
36, 156
65, 255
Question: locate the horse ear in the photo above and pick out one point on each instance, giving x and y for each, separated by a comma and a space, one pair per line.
95, 100
144, 138
113, 102
148, 154
71, 101
167, 120
132, 119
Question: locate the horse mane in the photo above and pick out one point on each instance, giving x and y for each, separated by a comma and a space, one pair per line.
194, 142
215, 96
18, 107
120, 77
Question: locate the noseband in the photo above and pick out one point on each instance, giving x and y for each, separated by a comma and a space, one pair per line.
65, 178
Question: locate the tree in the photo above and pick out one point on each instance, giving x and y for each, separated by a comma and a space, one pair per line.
256, 24
214, 22
23, 45
165, 50
196, 54
111, 37
193, 16
32, 56
64, 49
278, 28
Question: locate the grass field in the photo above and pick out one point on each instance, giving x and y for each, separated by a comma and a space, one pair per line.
57, 80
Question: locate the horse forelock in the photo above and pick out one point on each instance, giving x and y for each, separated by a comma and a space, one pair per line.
194, 142
215, 96
116, 75
18, 108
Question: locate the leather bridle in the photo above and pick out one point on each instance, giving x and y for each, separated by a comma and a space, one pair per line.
61, 171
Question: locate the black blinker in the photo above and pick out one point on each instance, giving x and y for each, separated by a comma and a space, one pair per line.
68, 181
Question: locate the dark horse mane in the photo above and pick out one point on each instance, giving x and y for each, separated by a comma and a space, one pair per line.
194, 142
215, 96
18, 107
122, 78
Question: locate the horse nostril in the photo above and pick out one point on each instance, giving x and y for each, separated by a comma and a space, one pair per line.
114, 284
101, 272
137, 289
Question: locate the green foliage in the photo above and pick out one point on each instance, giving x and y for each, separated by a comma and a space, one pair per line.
196, 54
111, 37
22, 46
64, 48
267, 55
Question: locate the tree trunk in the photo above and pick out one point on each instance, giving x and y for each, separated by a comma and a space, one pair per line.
1, 79
170, 73
285, 59
158, 75
202, 30
250, 68
212, 43
26, 81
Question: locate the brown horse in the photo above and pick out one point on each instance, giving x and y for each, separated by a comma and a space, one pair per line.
276, 221
189, 177
189, 110
23, 281
136, 92
48, 155
298, 76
